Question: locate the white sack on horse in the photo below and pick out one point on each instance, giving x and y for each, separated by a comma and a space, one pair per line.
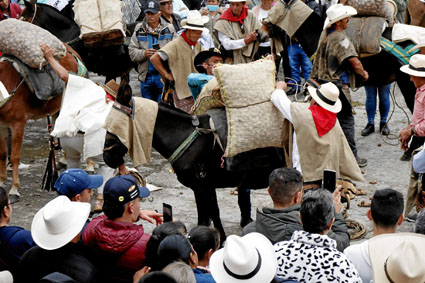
22, 40
83, 109
402, 32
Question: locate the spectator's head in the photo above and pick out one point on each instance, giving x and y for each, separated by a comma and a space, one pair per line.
194, 25
181, 272
338, 16
250, 258
205, 241
326, 96
415, 69
153, 13
237, 7
166, 7
158, 276
4, 4
420, 222
317, 211
59, 222
213, 3
121, 196
77, 185
206, 60
285, 186
176, 248
386, 210
5, 206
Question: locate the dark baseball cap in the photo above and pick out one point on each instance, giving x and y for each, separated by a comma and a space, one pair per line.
153, 7
123, 189
73, 181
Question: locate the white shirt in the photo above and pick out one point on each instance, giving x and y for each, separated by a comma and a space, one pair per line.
230, 44
177, 5
283, 104
263, 15
359, 256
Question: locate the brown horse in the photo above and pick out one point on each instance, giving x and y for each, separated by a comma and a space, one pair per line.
23, 105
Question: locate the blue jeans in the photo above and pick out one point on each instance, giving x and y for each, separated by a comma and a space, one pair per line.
152, 87
384, 102
299, 60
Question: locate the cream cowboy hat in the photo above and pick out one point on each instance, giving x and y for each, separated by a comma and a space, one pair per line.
416, 66
398, 257
195, 21
326, 96
58, 222
421, 41
338, 12
249, 259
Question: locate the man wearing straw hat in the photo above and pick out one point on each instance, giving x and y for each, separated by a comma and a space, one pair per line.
337, 61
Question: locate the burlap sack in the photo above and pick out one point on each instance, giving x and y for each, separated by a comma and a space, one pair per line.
22, 39
209, 98
252, 120
377, 8
365, 33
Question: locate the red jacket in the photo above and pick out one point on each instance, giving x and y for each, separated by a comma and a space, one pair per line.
15, 12
125, 239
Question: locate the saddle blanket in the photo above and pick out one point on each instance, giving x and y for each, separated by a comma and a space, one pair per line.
44, 82
402, 32
402, 54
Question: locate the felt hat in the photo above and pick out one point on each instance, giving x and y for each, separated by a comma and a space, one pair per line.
204, 55
123, 189
58, 222
250, 259
195, 21
338, 12
326, 96
111, 88
416, 66
73, 181
398, 257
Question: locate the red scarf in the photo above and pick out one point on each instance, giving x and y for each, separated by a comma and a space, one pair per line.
192, 43
228, 15
323, 119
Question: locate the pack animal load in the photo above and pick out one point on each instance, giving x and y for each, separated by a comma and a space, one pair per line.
22, 40
100, 22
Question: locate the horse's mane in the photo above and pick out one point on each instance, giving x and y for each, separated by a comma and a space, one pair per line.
174, 111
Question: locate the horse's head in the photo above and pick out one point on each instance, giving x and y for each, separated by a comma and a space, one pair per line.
29, 11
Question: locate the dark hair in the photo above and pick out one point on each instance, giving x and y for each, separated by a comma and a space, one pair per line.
317, 210
180, 227
125, 93
420, 222
174, 248
4, 198
112, 208
203, 239
284, 183
386, 207
157, 276
159, 234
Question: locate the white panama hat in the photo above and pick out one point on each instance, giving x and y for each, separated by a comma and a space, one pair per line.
326, 96
195, 21
416, 66
249, 259
338, 12
58, 222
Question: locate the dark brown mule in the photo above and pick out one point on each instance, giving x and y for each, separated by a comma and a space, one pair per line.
23, 105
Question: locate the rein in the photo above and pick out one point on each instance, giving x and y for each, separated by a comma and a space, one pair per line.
16, 88
35, 13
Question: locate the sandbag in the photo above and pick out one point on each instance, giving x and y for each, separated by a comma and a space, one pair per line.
22, 40
252, 120
365, 33
208, 98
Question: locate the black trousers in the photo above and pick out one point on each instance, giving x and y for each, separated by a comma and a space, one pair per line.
346, 120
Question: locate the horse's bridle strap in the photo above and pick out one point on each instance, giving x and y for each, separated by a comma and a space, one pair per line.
183, 146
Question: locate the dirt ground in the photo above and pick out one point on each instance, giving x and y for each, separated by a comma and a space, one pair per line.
384, 170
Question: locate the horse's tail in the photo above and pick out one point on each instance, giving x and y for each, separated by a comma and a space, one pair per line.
125, 93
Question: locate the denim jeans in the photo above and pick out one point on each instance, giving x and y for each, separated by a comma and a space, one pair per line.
298, 61
384, 102
152, 87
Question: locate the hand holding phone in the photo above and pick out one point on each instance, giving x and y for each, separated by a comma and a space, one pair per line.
329, 180
167, 212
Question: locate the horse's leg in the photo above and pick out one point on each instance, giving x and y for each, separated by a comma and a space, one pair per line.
407, 88
17, 138
202, 207
215, 213
244, 201
3, 154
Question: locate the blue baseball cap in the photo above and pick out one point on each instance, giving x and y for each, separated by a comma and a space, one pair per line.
123, 189
73, 181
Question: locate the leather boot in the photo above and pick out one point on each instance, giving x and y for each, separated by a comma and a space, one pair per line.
369, 129
383, 129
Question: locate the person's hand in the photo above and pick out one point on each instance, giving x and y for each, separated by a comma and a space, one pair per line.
150, 52
140, 273
122, 170
252, 36
204, 12
169, 77
220, 10
405, 136
47, 51
281, 85
151, 216
337, 199
365, 75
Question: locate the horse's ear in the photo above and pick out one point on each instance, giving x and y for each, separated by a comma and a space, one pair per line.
30, 6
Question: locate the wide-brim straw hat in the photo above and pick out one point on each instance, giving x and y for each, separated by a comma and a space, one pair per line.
249, 259
195, 21
58, 222
338, 12
416, 66
111, 88
326, 96
398, 257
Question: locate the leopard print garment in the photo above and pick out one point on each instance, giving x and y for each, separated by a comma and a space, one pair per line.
313, 258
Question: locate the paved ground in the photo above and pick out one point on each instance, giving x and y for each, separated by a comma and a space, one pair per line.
384, 168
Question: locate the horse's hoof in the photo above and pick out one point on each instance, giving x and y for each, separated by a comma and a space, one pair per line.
13, 199
245, 221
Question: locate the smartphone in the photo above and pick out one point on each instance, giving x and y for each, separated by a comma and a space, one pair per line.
329, 180
155, 46
167, 212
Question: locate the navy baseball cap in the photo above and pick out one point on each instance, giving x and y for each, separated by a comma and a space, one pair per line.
153, 7
73, 181
123, 189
